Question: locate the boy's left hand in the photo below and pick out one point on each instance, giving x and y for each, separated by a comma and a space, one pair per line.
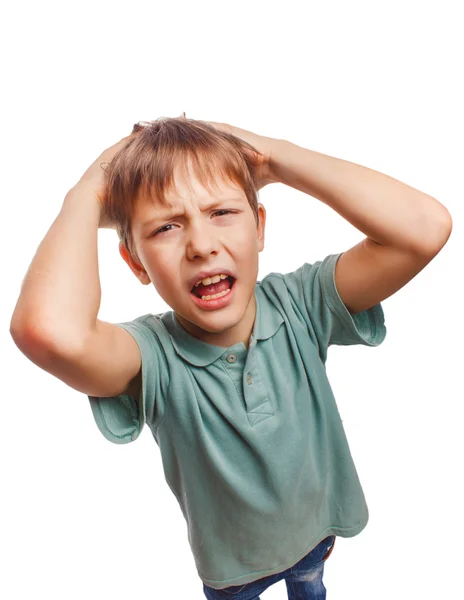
263, 160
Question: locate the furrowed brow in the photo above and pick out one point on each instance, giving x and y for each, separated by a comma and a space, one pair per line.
160, 218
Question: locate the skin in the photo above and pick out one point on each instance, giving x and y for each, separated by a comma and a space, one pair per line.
201, 240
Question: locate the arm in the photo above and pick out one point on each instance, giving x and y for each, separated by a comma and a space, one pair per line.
405, 228
387, 211
60, 294
55, 320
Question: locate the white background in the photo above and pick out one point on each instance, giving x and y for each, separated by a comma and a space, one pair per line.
378, 84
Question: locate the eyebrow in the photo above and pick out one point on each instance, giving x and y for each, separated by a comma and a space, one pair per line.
160, 218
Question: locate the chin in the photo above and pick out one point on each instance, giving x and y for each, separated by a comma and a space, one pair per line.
215, 323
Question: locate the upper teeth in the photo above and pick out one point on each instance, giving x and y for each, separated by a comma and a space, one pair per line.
210, 280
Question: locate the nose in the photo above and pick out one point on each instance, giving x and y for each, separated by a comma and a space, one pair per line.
202, 241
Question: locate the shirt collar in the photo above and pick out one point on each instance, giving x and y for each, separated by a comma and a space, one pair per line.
200, 354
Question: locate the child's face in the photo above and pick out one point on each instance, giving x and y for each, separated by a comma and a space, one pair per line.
173, 251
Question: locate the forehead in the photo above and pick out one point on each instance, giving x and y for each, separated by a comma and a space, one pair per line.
186, 185
187, 192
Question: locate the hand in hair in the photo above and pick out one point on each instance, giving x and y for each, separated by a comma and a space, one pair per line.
94, 178
260, 151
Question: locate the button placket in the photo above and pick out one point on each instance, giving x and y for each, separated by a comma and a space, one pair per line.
255, 394
233, 362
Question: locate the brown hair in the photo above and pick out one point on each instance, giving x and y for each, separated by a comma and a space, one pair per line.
145, 165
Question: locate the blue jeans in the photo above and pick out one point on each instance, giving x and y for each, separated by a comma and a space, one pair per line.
303, 580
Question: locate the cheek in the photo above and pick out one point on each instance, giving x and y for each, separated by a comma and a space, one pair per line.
244, 236
162, 274
247, 242
168, 288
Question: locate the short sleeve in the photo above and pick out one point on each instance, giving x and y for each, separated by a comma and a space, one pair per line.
119, 418
314, 291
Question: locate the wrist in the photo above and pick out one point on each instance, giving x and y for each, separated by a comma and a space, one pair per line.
83, 190
83, 196
277, 149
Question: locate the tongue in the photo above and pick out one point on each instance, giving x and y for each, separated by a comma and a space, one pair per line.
214, 288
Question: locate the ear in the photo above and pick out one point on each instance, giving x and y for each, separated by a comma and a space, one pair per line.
135, 266
261, 226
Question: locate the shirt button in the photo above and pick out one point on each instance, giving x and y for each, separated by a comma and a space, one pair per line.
249, 379
231, 358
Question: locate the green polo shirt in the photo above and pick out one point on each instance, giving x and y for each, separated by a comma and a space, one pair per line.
251, 441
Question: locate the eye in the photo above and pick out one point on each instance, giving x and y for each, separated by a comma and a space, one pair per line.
163, 229
223, 210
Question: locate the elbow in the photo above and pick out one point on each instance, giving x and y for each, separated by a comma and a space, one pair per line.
35, 342
436, 233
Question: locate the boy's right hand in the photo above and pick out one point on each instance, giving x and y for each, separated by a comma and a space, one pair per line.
94, 178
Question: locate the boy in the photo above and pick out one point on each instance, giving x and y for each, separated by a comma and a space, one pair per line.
232, 381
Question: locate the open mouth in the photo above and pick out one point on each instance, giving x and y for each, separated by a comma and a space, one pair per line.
214, 290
